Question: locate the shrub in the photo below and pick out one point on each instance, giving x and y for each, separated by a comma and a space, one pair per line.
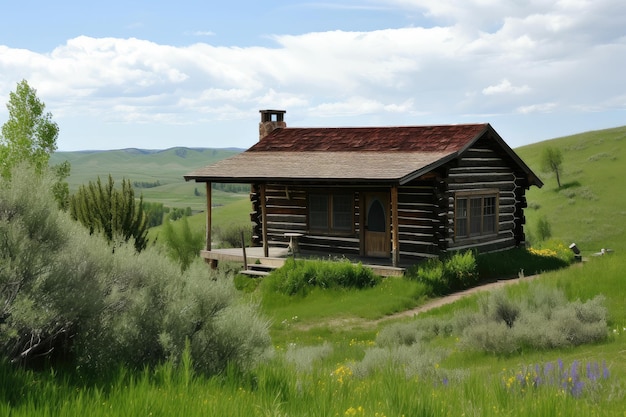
299, 276
230, 236
65, 293
304, 357
542, 320
544, 230
444, 276
183, 245
461, 269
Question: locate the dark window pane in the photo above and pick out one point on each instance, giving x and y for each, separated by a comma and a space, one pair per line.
376, 219
343, 207
318, 211
461, 217
489, 218
475, 213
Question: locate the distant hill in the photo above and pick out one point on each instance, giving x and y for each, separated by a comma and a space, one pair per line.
164, 168
590, 207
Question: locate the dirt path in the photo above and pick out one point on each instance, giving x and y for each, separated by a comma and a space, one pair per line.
360, 322
448, 299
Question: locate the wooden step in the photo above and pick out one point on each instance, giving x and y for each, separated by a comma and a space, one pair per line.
258, 270
253, 273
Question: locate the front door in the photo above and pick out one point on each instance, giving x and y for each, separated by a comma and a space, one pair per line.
376, 230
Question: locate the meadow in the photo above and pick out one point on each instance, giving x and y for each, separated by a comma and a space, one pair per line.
344, 352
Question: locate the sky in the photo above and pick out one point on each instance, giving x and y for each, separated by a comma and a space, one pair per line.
156, 74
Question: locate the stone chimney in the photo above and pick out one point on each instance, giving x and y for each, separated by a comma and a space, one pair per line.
270, 120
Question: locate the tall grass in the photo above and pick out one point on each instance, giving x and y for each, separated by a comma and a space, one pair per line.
280, 389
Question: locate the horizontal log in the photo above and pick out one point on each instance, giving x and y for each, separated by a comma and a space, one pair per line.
301, 211
286, 218
502, 186
481, 162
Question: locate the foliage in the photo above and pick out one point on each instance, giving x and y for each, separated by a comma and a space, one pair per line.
65, 296
110, 211
154, 213
552, 161
29, 137
229, 236
183, 245
299, 276
444, 276
544, 230
30, 134
543, 320
176, 213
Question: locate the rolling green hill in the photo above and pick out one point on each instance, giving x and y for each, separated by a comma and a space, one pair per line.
165, 167
590, 206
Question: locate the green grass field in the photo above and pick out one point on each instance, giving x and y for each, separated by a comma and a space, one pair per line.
327, 361
590, 207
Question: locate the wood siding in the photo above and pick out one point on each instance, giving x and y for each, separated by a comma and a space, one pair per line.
425, 212
287, 212
482, 168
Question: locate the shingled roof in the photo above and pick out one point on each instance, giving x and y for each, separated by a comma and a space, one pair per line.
349, 155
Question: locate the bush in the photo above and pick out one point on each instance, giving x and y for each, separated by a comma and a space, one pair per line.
299, 276
444, 276
544, 230
230, 236
64, 295
542, 320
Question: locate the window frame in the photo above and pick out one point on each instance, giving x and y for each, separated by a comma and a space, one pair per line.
489, 214
331, 213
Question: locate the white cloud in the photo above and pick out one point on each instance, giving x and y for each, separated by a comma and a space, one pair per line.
537, 108
480, 57
505, 87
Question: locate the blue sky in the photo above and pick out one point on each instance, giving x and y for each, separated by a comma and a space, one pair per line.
156, 74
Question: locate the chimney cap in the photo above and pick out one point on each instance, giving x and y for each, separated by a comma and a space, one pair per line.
272, 115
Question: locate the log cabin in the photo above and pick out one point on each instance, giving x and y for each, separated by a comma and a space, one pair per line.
397, 194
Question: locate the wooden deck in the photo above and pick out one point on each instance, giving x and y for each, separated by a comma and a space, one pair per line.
277, 257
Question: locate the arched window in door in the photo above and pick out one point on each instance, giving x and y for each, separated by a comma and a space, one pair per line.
376, 218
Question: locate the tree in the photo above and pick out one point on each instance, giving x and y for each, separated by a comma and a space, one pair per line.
110, 211
30, 134
552, 161
183, 245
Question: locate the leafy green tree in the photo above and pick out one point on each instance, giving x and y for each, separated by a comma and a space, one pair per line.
183, 245
111, 211
552, 161
30, 134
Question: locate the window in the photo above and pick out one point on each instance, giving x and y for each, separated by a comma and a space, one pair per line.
331, 212
476, 214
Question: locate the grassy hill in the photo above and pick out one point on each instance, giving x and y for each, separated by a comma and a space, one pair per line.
166, 167
590, 206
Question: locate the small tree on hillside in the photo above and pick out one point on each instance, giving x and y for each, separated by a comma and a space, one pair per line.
111, 211
552, 161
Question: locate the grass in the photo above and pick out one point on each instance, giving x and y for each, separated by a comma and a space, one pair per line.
589, 208
321, 338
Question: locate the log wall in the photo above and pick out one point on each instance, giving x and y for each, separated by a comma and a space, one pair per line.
287, 212
425, 209
481, 168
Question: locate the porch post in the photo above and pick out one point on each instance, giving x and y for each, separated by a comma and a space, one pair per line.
266, 249
395, 236
208, 216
